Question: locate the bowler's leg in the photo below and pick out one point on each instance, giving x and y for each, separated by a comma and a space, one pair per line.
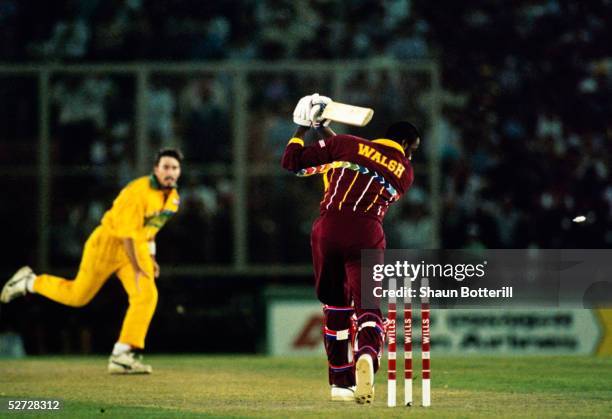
142, 304
142, 298
95, 268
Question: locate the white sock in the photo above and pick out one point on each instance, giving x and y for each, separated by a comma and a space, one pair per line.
30, 284
121, 348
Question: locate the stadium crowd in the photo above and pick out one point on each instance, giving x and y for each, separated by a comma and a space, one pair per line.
526, 125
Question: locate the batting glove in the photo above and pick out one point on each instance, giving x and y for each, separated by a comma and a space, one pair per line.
301, 113
318, 104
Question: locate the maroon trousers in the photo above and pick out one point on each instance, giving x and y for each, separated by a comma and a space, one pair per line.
337, 239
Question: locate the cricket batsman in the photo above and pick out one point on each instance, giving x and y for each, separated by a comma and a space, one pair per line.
365, 178
123, 244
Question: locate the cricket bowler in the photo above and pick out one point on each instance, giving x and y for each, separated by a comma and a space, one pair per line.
358, 192
123, 244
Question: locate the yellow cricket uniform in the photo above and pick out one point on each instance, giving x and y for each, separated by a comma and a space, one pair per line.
138, 212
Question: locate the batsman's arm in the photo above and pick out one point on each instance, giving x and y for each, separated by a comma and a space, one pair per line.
300, 132
325, 132
297, 156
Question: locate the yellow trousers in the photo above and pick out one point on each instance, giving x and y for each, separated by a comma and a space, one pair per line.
104, 255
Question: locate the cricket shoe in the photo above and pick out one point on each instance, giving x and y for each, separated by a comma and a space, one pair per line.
364, 374
17, 286
128, 363
342, 394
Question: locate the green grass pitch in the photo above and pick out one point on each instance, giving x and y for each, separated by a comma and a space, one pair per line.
257, 386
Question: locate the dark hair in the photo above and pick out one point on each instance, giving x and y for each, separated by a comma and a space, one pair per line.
168, 152
403, 132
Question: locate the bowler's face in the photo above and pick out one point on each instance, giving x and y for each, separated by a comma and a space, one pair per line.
167, 171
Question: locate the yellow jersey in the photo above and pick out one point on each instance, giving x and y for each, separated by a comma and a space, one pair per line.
141, 209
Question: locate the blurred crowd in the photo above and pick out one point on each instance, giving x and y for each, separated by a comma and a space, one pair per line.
126, 30
526, 124
529, 149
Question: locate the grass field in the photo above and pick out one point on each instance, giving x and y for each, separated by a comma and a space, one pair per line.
250, 386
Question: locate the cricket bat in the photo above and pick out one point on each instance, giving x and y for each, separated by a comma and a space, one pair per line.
348, 114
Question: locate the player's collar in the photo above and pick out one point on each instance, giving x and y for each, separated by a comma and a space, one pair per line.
390, 143
155, 183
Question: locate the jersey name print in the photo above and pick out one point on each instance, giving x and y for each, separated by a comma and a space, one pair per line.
371, 153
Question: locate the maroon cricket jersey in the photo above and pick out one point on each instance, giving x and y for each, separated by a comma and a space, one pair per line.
377, 173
